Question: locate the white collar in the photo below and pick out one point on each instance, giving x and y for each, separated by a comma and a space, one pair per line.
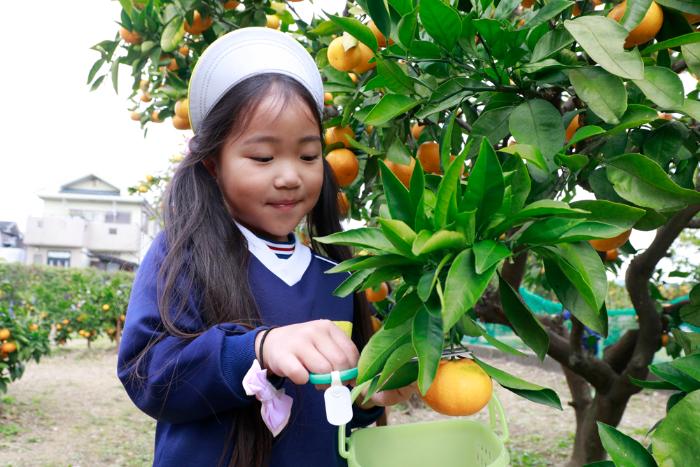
291, 269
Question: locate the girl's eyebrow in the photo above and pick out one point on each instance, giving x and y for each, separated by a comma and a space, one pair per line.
272, 139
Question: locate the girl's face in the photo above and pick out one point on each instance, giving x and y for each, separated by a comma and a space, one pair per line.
271, 174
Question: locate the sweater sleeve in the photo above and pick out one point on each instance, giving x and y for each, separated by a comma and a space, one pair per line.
175, 379
361, 417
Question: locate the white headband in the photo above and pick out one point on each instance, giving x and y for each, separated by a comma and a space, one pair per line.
241, 54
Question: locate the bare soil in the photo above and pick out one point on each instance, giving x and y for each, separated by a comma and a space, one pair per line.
71, 410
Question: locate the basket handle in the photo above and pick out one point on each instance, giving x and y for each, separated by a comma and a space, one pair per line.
496, 410
342, 440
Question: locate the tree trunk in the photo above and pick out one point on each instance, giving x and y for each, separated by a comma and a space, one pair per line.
587, 445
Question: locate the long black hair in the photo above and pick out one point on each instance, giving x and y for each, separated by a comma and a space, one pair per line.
207, 252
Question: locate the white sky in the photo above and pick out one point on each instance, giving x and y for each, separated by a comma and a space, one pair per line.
55, 130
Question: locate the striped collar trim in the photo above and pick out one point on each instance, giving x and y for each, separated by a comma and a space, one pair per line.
290, 270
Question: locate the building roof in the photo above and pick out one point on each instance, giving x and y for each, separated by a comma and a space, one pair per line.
90, 185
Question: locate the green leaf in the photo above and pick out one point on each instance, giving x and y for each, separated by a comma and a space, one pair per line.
493, 124
397, 196
523, 321
648, 384
530, 391
549, 207
369, 262
379, 14
675, 440
427, 342
691, 55
538, 123
551, 43
688, 6
689, 365
603, 39
623, 450
585, 132
172, 34
689, 38
635, 116
691, 108
399, 234
380, 346
577, 276
635, 11
393, 77
463, 287
485, 188
605, 94
529, 153
548, 11
621, 215
446, 195
352, 283
662, 86
428, 242
691, 314
680, 379
389, 107
441, 21
114, 71
404, 310
465, 222
356, 29
396, 360
488, 253
643, 182
407, 29
363, 237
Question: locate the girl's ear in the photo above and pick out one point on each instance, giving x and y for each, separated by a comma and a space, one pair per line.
210, 165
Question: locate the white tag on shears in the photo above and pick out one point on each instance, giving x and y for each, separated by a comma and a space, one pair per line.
338, 401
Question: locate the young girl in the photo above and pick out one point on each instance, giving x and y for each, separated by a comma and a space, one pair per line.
227, 289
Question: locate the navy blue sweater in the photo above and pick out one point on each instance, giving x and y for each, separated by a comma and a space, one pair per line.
193, 387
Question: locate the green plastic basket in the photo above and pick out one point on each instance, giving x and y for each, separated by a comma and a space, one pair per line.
455, 442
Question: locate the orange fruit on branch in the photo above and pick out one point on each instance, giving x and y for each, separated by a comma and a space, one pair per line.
199, 23
8, 347
613, 243
381, 40
573, 126
272, 21
338, 134
460, 387
5, 334
611, 255
647, 28
363, 63
341, 59
344, 164
377, 294
376, 323
416, 130
130, 37
429, 157
402, 171
231, 5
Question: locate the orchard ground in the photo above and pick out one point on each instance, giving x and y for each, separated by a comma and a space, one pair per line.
71, 409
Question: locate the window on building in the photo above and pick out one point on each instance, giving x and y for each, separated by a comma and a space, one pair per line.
112, 231
83, 214
58, 258
118, 217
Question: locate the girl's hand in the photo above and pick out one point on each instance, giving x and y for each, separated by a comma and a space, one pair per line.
298, 349
389, 397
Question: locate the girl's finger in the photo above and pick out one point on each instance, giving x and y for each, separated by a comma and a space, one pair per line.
333, 352
315, 361
345, 344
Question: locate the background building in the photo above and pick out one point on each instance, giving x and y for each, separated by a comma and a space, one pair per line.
88, 223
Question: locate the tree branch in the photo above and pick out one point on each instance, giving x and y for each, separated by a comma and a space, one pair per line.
637, 283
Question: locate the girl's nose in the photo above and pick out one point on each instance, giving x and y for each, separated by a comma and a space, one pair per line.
287, 176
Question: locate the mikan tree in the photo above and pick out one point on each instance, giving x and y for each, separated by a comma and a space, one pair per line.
463, 134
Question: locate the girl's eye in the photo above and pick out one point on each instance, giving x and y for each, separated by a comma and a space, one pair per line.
261, 159
310, 158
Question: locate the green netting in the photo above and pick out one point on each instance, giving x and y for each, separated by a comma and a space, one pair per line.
619, 321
